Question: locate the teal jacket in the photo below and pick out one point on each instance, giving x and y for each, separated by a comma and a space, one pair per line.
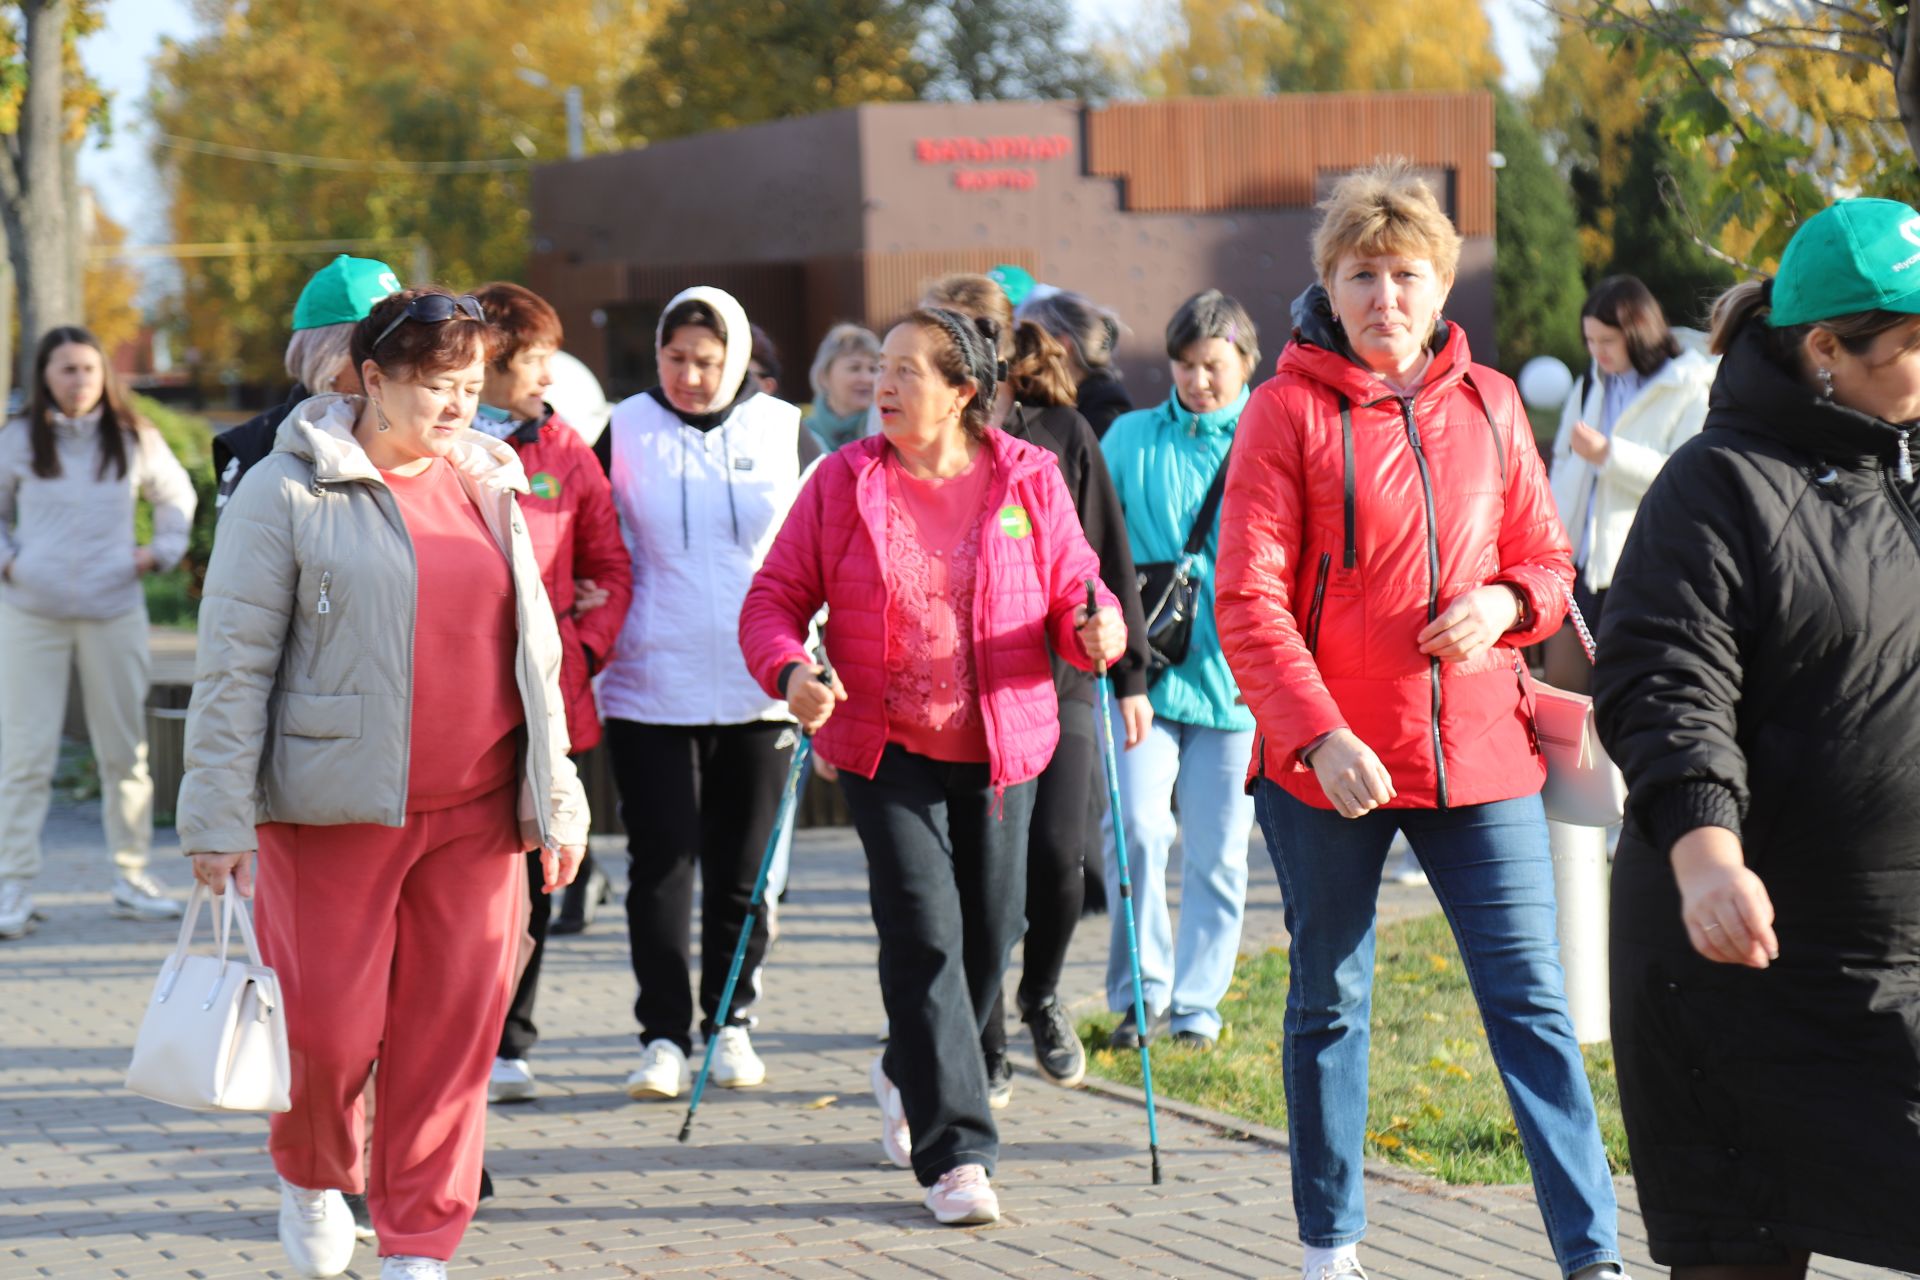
1162, 460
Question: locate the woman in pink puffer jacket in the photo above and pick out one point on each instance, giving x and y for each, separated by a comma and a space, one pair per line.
951, 560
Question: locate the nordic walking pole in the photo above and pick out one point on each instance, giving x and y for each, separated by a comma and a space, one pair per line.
1140, 1020
789, 801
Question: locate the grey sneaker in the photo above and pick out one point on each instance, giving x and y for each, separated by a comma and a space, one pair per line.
138, 896
16, 908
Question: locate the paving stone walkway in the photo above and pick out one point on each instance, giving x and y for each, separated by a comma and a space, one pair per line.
784, 1181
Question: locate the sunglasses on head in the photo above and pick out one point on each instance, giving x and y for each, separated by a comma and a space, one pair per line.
433, 308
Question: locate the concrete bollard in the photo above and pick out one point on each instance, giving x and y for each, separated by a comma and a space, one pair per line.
1580, 876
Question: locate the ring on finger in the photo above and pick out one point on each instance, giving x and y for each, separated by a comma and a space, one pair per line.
1710, 928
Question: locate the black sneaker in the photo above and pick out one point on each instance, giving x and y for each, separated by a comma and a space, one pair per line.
1056, 1049
362, 1218
1126, 1036
999, 1082
1197, 1041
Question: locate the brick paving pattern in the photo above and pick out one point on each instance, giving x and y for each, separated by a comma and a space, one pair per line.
786, 1181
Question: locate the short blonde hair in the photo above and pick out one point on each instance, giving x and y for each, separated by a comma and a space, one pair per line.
1385, 208
315, 357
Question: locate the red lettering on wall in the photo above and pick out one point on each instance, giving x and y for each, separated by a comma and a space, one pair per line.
996, 149
995, 179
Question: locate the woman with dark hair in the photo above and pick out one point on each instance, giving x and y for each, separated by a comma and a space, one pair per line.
954, 569
1645, 396
704, 467
1035, 403
377, 711
1089, 332
1756, 683
70, 595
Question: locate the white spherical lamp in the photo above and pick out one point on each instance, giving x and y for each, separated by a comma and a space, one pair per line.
1545, 382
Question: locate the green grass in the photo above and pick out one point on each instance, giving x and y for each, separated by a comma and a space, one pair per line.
1435, 1102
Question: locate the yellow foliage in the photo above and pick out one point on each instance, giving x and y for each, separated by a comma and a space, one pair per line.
109, 288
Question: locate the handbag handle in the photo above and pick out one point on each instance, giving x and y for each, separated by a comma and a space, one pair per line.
224, 918
1580, 625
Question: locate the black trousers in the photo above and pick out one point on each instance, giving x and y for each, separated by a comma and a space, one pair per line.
519, 1035
701, 796
946, 866
1056, 876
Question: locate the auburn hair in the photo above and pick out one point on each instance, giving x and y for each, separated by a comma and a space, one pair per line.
1038, 368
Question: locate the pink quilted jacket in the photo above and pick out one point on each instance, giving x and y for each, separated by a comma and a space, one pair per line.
1034, 564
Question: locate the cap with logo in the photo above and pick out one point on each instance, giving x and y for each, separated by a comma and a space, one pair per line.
343, 291
1015, 282
1851, 257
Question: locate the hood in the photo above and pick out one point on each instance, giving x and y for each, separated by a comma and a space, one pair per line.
1319, 351
320, 431
1014, 458
1752, 393
739, 337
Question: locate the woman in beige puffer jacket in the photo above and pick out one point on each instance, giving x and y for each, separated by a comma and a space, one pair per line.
378, 713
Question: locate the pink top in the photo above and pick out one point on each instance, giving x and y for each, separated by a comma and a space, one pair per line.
933, 554
467, 712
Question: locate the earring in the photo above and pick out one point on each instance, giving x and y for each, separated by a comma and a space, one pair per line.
1826, 384
381, 414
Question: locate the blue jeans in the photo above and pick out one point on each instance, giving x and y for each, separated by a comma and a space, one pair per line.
1491, 870
1208, 767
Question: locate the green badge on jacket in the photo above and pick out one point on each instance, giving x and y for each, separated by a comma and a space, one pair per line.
544, 485
1014, 522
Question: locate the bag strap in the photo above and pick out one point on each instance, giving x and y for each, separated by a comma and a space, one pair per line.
1209, 507
1580, 625
1351, 555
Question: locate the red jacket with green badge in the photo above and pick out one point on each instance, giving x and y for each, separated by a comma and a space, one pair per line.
1353, 517
575, 534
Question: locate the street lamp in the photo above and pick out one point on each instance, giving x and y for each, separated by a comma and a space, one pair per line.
576, 123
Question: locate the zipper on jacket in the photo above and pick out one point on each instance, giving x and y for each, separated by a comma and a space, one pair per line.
1319, 602
1908, 520
1433, 590
321, 609
1905, 462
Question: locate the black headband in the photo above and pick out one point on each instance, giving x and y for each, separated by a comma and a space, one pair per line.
982, 364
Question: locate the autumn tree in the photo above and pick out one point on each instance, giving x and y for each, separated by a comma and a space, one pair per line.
288, 133
720, 64
110, 289
1000, 49
1536, 268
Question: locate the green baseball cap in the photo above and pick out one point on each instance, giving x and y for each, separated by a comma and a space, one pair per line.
1015, 282
1851, 257
343, 291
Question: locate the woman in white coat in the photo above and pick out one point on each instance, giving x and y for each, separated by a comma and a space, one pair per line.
1644, 397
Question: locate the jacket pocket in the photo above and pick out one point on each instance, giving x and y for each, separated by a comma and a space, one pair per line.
314, 715
1319, 603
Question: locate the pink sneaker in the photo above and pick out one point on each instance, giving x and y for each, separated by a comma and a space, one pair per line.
963, 1198
895, 1137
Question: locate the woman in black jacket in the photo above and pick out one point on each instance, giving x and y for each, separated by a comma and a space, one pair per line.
1036, 403
1759, 684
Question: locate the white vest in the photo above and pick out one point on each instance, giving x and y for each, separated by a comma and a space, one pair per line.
699, 511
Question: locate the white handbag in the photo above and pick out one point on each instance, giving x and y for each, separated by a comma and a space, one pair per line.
1584, 787
214, 1037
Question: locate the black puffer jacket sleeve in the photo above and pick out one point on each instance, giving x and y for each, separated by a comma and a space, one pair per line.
1668, 681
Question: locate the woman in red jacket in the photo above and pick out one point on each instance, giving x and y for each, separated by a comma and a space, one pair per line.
950, 558
1388, 544
576, 538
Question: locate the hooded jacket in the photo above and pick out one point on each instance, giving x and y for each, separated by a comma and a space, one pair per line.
1034, 566
1665, 414
67, 542
1352, 518
302, 697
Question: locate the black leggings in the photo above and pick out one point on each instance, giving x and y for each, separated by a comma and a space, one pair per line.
706, 796
1056, 857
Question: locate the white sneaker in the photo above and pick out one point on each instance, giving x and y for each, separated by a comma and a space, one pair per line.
138, 896
316, 1230
511, 1081
409, 1267
735, 1064
1346, 1268
896, 1138
963, 1198
662, 1072
16, 908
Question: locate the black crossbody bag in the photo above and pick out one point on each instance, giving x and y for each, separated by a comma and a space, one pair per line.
1168, 591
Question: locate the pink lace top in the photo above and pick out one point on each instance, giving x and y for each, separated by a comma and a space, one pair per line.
933, 550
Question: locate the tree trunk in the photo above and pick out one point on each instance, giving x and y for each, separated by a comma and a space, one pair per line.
1906, 78
40, 234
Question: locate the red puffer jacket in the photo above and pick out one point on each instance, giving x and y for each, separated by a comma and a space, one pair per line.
1338, 543
575, 534
1034, 564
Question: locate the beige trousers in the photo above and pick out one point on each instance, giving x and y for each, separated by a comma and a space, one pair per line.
36, 656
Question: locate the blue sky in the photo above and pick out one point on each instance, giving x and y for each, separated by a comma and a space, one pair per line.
121, 173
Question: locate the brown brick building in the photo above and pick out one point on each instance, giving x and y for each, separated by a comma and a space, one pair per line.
841, 216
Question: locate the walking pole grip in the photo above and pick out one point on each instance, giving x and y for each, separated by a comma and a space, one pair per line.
1093, 607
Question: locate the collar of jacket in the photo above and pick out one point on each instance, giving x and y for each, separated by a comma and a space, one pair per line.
80, 425
1319, 351
1752, 393
529, 430
1214, 422
320, 430
706, 421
